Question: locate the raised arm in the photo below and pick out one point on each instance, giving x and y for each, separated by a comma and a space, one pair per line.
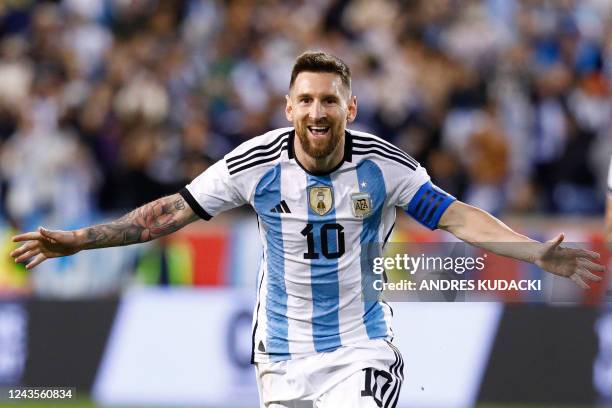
152, 220
473, 225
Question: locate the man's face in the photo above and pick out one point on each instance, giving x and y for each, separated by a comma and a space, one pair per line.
320, 105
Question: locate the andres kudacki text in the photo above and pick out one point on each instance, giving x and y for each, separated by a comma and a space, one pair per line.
483, 285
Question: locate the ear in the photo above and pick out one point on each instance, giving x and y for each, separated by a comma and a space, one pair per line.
352, 109
288, 109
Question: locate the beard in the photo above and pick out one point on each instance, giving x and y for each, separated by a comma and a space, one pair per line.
319, 148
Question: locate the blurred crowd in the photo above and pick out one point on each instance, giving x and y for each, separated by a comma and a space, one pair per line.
107, 104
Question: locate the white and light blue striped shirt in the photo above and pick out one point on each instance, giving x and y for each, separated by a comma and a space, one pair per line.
315, 229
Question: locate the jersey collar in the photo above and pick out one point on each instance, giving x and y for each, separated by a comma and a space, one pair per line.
348, 153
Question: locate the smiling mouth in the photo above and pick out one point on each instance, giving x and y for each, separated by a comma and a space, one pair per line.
318, 130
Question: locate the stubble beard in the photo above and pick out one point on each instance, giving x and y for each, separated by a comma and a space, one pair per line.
319, 150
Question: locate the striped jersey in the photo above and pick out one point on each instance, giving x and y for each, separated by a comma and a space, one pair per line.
320, 233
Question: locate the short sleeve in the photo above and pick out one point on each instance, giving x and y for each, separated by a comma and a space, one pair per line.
409, 183
213, 192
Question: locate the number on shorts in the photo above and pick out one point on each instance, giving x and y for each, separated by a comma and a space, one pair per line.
371, 389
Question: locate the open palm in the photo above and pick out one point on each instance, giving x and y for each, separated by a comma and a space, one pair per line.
44, 244
576, 264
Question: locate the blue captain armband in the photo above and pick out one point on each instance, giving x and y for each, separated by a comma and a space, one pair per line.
428, 205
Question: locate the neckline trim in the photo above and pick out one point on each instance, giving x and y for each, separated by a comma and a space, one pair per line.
348, 154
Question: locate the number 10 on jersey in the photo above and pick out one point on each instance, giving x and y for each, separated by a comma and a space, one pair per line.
323, 247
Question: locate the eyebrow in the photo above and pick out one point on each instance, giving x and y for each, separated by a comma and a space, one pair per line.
324, 96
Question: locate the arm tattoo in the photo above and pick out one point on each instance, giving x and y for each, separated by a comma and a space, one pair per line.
152, 220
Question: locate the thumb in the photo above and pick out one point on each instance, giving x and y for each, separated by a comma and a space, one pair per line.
556, 241
47, 233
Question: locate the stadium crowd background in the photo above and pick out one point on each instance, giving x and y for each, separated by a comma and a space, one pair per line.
107, 104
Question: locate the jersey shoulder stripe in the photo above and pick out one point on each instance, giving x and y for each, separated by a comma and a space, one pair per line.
365, 143
374, 149
266, 148
262, 142
370, 137
271, 157
385, 145
234, 163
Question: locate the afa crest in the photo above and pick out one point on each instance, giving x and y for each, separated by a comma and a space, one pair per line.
361, 204
321, 199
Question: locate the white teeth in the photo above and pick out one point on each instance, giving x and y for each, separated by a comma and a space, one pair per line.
318, 129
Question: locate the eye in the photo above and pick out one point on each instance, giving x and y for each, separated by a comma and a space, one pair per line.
305, 99
330, 100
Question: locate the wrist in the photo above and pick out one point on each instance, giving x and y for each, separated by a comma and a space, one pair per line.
80, 239
539, 249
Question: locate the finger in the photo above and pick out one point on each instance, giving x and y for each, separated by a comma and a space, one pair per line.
588, 275
27, 255
36, 261
576, 278
28, 236
591, 265
585, 253
579, 253
22, 249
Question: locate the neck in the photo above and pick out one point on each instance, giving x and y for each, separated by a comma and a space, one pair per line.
322, 165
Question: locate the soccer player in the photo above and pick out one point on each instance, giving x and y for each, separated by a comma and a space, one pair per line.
321, 193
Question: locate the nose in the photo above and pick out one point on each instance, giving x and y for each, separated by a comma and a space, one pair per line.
316, 110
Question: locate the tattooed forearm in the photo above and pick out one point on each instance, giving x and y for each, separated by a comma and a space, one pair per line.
179, 204
152, 220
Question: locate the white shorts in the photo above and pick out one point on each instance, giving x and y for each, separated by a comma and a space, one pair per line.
363, 375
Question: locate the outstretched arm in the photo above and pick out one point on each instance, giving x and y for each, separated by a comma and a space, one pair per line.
152, 220
477, 227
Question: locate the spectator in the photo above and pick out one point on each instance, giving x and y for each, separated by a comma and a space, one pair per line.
133, 89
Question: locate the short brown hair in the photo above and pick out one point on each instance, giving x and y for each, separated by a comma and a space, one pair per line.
317, 61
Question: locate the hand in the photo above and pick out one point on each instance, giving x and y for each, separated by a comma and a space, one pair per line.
44, 244
575, 264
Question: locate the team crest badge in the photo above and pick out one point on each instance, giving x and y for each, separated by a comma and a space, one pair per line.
320, 199
361, 204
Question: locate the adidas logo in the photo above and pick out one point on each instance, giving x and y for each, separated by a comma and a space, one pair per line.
282, 208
